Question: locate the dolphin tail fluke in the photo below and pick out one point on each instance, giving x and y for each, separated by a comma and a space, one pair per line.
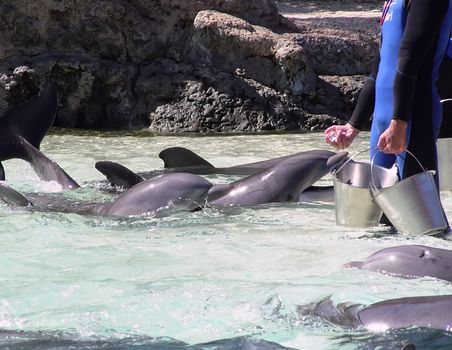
11, 197
2, 173
46, 168
33, 119
344, 314
118, 175
178, 157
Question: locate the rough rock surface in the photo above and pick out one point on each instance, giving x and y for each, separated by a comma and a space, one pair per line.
180, 65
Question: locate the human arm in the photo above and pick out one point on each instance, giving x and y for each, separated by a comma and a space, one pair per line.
342, 136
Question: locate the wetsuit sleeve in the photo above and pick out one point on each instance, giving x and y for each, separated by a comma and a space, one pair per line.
423, 25
366, 101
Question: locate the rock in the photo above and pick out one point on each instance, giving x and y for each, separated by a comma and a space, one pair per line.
174, 65
253, 52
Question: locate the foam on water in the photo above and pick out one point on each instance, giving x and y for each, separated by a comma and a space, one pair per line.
192, 278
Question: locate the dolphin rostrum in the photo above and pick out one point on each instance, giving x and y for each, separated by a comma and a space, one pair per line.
409, 261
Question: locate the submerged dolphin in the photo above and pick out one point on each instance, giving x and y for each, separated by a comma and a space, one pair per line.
158, 196
409, 261
426, 311
21, 132
53, 340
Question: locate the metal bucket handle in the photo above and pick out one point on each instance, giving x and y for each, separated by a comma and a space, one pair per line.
335, 171
373, 185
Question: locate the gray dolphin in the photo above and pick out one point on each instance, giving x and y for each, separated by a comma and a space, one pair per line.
425, 311
21, 132
179, 159
183, 159
160, 195
409, 261
119, 175
284, 182
54, 340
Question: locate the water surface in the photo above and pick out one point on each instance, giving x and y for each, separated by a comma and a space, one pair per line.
213, 279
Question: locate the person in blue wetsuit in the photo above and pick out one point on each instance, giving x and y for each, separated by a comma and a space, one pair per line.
445, 91
401, 93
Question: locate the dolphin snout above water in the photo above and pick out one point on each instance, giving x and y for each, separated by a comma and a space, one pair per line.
336, 160
409, 261
284, 182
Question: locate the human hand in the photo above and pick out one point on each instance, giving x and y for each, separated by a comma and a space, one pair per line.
393, 139
340, 136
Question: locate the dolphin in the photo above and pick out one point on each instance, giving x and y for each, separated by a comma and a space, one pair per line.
183, 159
157, 196
424, 311
121, 176
179, 159
53, 340
284, 182
161, 192
21, 132
409, 261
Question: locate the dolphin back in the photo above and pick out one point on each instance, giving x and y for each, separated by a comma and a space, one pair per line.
425, 311
168, 191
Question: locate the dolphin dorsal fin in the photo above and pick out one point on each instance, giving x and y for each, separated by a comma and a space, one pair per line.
118, 174
46, 168
33, 119
12, 197
178, 157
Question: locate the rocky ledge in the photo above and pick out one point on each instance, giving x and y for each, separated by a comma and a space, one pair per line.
185, 65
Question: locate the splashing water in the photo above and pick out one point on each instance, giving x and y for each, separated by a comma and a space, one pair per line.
213, 279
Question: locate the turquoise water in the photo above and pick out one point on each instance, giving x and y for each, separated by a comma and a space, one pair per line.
233, 276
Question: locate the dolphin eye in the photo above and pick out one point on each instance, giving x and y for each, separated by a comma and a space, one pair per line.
421, 254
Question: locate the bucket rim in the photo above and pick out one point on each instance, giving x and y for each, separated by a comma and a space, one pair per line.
378, 191
335, 179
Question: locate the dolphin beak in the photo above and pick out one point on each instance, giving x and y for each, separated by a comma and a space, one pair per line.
334, 161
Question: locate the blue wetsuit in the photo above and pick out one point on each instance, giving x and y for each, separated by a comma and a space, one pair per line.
444, 85
414, 40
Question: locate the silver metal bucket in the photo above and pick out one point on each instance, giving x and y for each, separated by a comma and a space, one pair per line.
444, 147
413, 205
354, 204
